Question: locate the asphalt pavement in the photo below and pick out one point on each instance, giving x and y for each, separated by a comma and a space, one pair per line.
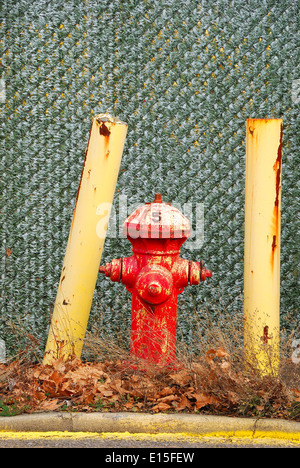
148, 447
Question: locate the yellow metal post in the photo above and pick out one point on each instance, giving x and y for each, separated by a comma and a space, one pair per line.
86, 240
262, 244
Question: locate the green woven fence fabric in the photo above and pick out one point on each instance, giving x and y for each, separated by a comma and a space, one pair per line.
185, 76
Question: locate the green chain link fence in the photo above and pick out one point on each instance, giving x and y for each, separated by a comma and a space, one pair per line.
185, 76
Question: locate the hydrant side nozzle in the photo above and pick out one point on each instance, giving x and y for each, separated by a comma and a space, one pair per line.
194, 273
205, 274
198, 273
113, 270
105, 269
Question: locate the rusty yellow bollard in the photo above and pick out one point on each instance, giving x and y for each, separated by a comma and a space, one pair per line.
85, 243
262, 244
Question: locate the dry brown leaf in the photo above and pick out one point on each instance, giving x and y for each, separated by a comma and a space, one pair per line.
167, 399
128, 405
57, 378
38, 395
166, 391
183, 404
105, 391
136, 393
181, 378
161, 407
68, 388
114, 398
202, 400
86, 374
297, 393
50, 405
139, 405
213, 353
42, 372
117, 385
59, 365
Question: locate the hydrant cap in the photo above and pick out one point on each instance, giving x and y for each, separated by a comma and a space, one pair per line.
157, 220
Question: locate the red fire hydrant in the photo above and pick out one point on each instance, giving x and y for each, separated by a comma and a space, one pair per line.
155, 275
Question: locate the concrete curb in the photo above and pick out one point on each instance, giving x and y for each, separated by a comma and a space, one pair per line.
146, 423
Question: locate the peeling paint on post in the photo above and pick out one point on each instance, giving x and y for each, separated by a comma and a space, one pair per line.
262, 244
84, 248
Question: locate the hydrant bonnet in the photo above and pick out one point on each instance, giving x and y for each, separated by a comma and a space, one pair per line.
157, 220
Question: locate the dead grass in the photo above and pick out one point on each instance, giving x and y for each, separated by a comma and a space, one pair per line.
210, 376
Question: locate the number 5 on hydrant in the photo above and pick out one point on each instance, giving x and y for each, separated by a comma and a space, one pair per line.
155, 275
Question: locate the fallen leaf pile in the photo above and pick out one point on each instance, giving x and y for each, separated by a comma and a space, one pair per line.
210, 385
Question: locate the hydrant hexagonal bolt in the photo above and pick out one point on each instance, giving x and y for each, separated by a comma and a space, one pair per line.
155, 275
154, 288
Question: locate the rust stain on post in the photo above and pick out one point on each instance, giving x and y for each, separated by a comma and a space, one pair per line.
274, 245
265, 336
105, 132
277, 168
276, 214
